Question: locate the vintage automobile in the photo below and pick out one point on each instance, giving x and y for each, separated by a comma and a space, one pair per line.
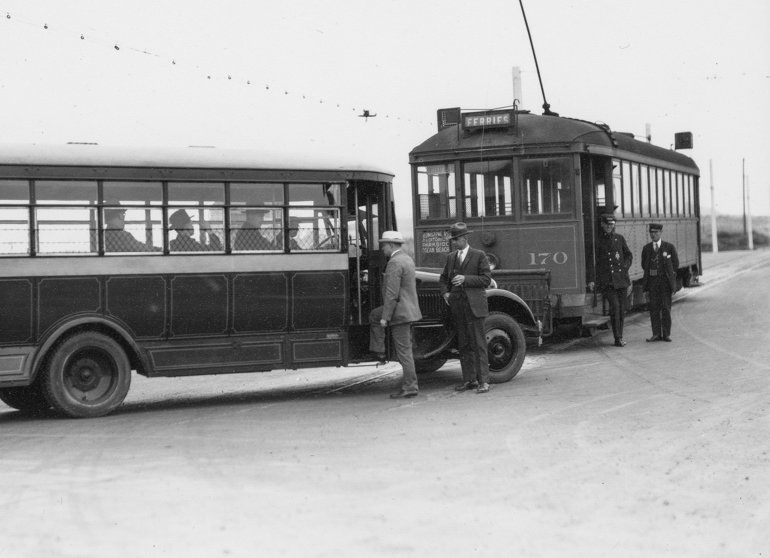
519, 303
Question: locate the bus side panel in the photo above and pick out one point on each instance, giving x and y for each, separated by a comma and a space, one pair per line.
260, 302
16, 311
139, 303
63, 297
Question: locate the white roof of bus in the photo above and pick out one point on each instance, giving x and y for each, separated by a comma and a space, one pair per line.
185, 157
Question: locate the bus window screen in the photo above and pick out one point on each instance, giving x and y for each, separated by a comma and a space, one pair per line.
14, 230
547, 186
488, 190
436, 192
66, 230
256, 229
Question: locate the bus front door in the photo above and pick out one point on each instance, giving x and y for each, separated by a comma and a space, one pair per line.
365, 205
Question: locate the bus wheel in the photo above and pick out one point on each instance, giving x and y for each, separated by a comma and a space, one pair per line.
506, 347
428, 366
88, 376
27, 398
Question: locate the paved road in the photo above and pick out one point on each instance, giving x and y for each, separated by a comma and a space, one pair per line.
647, 450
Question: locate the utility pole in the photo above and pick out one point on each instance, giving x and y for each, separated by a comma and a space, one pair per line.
743, 180
714, 243
748, 215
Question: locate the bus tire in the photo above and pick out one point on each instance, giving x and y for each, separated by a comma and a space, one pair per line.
88, 376
430, 365
28, 398
506, 347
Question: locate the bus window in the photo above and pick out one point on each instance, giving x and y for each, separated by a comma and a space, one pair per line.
628, 197
487, 187
66, 229
14, 221
256, 193
437, 193
547, 187
321, 230
645, 189
197, 227
133, 193
130, 223
256, 229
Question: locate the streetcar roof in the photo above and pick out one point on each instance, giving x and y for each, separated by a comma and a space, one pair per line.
93, 155
536, 130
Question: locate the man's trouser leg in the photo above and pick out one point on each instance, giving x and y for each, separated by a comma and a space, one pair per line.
665, 310
457, 307
655, 304
376, 332
402, 339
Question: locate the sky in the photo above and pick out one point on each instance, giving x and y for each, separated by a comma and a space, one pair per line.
293, 75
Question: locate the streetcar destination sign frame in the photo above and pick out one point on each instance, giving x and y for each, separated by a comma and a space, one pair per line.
488, 119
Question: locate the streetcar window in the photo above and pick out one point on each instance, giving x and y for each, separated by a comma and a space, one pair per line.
645, 188
638, 201
617, 183
654, 173
488, 189
677, 196
314, 194
628, 197
547, 186
437, 192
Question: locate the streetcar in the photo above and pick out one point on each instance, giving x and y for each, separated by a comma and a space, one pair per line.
531, 188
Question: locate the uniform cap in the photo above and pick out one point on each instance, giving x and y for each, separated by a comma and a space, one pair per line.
655, 227
607, 218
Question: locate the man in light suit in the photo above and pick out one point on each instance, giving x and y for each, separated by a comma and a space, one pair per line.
400, 308
464, 281
660, 263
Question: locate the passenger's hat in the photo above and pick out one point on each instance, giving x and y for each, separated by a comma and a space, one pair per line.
112, 212
607, 218
392, 236
179, 219
655, 227
457, 230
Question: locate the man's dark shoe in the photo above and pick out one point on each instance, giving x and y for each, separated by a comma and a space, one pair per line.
403, 394
377, 357
654, 338
465, 386
667, 339
619, 342
483, 388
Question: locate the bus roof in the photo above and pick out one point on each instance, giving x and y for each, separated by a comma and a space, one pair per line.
92, 155
535, 130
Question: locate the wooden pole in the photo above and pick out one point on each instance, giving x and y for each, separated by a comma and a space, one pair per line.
748, 214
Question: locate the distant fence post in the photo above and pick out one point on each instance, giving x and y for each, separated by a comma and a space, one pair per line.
714, 243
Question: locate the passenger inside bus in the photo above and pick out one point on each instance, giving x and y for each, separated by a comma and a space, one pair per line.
180, 222
116, 238
249, 236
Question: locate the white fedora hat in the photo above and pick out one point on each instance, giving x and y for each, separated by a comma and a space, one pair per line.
392, 236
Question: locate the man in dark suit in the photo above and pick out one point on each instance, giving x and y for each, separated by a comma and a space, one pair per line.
463, 283
400, 308
613, 258
660, 263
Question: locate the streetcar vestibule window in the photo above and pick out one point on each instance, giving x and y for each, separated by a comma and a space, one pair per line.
436, 191
488, 188
547, 187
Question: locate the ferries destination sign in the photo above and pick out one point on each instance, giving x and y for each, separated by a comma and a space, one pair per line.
488, 119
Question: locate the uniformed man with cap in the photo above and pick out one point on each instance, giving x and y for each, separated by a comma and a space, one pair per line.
613, 258
400, 307
660, 263
463, 282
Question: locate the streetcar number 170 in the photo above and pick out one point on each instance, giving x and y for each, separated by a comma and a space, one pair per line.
543, 258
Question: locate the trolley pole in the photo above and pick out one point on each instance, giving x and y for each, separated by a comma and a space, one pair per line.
748, 214
714, 242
